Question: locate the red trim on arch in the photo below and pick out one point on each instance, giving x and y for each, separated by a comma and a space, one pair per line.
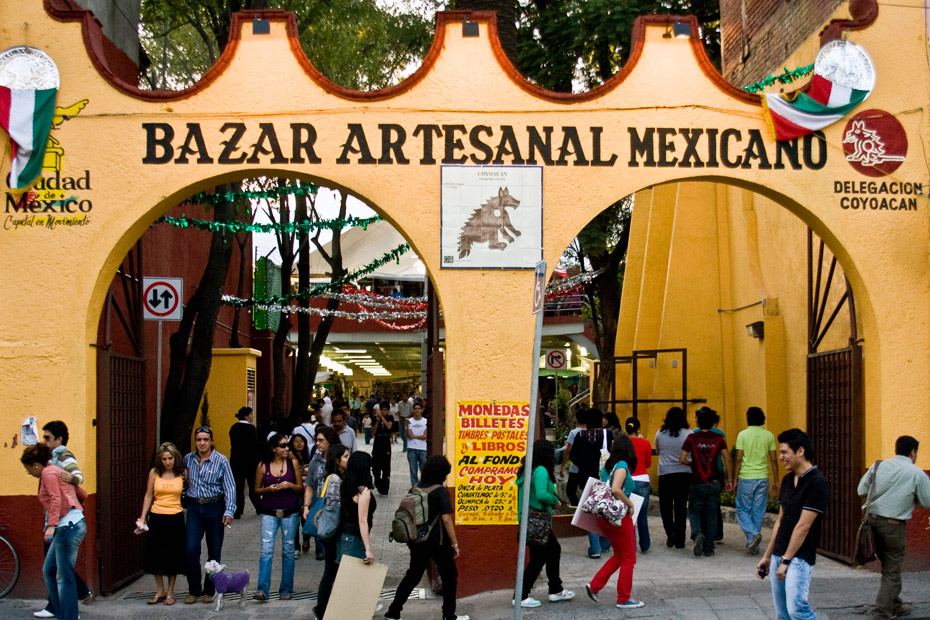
68, 10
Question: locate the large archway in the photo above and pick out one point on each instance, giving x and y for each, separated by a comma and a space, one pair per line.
667, 117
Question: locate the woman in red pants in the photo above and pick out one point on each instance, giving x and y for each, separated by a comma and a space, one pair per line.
616, 472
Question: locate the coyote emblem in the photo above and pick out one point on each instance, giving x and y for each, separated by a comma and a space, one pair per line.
486, 221
868, 147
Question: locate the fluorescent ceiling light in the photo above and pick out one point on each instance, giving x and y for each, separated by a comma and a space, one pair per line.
352, 350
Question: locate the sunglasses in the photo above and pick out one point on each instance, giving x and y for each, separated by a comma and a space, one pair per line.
282, 445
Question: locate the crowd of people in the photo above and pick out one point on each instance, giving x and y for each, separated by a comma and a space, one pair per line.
316, 463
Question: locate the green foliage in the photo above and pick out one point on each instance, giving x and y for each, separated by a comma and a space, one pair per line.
356, 43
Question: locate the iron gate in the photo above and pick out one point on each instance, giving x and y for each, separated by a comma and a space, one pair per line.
834, 408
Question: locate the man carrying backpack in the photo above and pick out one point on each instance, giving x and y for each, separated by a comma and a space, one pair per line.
430, 535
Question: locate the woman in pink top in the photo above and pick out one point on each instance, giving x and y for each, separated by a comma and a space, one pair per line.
66, 529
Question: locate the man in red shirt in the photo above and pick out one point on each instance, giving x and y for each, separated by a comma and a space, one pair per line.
700, 451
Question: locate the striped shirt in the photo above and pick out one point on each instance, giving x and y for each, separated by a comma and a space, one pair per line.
212, 478
63, 457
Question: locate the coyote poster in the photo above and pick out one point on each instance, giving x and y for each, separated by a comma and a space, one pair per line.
491, 217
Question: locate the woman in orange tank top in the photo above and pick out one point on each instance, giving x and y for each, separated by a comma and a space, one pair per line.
165, 541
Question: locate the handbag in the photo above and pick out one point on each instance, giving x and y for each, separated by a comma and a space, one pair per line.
539, 527
602, 503
865, 537
326, 520
316, 504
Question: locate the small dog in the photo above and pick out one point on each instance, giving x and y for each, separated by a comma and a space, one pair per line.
227, 583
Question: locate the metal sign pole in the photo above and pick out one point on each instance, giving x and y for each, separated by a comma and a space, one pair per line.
158, 391
530, 432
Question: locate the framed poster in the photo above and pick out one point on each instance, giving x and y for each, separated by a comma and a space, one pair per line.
491, 217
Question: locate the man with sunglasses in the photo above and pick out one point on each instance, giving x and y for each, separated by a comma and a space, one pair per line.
211, 494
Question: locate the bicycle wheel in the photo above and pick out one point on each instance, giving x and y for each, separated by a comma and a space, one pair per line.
9, 567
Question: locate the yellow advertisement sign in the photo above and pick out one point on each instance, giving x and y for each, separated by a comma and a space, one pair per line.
490, 441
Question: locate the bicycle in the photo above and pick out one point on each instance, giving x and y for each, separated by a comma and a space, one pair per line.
9, 566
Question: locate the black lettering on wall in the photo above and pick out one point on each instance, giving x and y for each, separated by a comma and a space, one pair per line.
666, 147
392, 141
508, 146
642, 146
789, 149
267, 135
474, 138
356, 136
712, 149
596, 147
538, 143
571, 145
691, 136
453, 144
232, 145
821, 141
756, 150
158, 149
725, 136
301, 144
195, 136
427, 131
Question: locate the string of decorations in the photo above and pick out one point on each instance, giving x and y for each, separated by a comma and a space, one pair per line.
790, 75
236, 226
374, 300
421, 324
212, 198
323, 312
582, 278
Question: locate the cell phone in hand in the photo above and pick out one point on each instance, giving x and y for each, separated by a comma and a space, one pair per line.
763, 571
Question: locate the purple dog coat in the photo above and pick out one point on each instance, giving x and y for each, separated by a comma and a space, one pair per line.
230, 582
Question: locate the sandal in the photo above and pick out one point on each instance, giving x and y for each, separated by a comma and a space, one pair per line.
169, 600
158, 598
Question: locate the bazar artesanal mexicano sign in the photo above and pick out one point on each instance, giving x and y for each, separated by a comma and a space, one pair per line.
237, 143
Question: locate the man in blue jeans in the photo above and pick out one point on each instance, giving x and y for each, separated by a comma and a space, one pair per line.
792, 551
416, 442
211, 493
755, 451
700, 450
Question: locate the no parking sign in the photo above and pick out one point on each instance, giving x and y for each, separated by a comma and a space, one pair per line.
161, 299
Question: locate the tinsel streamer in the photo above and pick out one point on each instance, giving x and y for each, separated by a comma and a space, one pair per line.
236, 226
339, 314
212, 198
790, 75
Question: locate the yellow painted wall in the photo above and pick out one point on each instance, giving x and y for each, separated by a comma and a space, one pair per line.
226, 392
55, 281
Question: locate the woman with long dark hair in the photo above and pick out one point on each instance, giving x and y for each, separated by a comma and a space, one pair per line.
165, 542
337, 459
65, 531
674, 478
279, 484
300, 451
616, 472
441, 545
641, 479
358, 509
542, 500
324, 438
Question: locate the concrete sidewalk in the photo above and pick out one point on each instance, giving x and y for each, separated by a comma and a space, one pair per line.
673, 583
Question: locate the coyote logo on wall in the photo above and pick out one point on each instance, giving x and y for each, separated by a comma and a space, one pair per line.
868, 146
486, 221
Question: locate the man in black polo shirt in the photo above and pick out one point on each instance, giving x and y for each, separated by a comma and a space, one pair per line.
792, 550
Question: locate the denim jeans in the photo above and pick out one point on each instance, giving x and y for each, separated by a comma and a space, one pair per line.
642, 520
203, 520
752, 498
790, 595
403, 433
350, 544
416, 459
597, 544
59, 570
702, 509
270, 525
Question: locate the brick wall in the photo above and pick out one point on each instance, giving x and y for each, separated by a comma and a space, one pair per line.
757, 46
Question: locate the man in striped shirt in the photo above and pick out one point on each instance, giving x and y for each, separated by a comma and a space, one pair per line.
211, 492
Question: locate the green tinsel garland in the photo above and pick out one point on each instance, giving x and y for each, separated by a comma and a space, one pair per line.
329, 287
790, 75
212, 198
236, 226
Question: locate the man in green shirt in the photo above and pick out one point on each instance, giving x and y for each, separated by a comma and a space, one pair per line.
898, 485
755, 452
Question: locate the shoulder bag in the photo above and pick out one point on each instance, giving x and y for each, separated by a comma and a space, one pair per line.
865, 538
602, 503
326, 520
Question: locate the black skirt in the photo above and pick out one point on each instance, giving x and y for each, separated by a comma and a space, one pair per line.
166, 545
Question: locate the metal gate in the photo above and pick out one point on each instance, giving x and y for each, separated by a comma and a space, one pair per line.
122, 457
834, 408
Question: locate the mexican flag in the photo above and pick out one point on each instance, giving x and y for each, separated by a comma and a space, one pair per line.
26, 116
825, 103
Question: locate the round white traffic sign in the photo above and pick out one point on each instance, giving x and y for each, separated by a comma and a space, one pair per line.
161, 299
555, 359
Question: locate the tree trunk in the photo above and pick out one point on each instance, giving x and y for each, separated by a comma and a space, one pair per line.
303, 383
244, 265
278, 345
189, 370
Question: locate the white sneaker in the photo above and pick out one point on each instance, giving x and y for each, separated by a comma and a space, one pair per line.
530, 602
43, 613
564, 595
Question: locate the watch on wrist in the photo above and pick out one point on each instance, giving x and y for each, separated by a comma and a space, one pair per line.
785, 560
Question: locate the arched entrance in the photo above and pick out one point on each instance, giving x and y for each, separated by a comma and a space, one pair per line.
144, 151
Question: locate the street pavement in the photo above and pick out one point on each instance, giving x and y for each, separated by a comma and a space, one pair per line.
672, 583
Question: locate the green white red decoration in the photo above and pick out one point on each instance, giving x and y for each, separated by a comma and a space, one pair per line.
26, 116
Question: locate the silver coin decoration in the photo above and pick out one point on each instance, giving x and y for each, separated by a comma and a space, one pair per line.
846, 64
27, 68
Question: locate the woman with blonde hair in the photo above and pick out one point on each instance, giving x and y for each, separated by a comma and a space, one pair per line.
162, 514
